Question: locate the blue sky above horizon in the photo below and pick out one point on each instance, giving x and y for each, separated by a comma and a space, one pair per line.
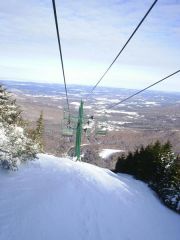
92, 31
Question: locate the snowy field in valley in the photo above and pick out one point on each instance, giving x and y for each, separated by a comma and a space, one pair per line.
105, 153
58, 199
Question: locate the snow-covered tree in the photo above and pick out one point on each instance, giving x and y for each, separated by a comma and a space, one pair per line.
9, 111
15, 144
169, 186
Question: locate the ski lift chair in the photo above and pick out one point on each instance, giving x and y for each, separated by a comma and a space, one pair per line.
101, 131
68, 124
101, 127
67, 132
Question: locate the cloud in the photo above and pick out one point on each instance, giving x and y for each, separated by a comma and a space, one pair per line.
92, 34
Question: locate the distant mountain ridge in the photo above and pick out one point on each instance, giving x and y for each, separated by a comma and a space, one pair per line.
58, 88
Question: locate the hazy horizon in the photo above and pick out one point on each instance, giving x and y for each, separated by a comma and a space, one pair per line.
81, 85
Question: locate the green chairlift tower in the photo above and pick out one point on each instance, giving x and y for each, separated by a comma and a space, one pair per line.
73, 126
79, 132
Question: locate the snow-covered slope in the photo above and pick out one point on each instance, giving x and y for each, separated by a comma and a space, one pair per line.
60, 199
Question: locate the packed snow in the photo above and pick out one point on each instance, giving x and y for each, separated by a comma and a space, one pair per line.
53, 198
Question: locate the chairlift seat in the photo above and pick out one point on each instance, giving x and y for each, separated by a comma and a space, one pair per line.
67, 132
101, 132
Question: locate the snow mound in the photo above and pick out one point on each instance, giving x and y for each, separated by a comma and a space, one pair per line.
54, 198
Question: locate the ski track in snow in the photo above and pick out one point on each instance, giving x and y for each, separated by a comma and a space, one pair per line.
54, 198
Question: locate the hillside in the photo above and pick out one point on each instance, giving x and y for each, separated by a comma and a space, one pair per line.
54, 198
149, 117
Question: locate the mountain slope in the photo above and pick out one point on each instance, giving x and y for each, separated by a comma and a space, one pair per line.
55, 198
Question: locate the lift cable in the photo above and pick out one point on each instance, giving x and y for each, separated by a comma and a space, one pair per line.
142, 20
114, 105
60, 53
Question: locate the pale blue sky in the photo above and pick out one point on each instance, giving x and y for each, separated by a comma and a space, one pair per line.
93, 31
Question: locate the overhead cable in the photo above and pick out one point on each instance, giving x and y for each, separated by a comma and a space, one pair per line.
135, 30
60, 53
114, 105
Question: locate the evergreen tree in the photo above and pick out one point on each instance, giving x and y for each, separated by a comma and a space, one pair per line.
15, 144
157, 165
169, 185
9, 111
37, 133
40, 131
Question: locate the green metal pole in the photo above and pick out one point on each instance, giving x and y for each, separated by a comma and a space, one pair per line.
79, 132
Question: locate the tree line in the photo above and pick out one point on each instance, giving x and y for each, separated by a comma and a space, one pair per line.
157, 165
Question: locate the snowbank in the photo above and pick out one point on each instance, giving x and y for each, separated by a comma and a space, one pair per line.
55, 198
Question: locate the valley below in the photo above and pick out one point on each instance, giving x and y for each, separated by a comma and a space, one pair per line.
143, 119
